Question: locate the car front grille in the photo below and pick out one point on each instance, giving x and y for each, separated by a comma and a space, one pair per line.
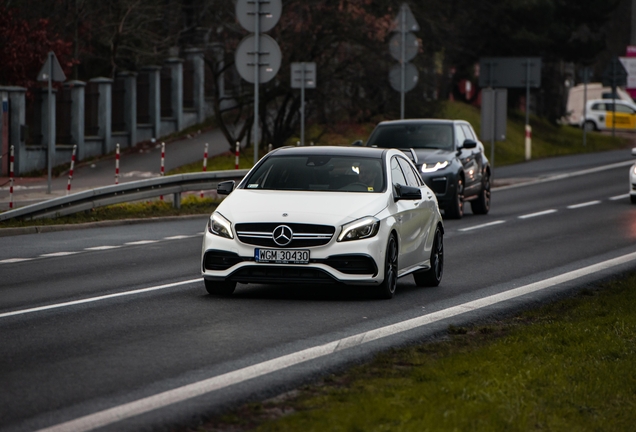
304, 235
437, 184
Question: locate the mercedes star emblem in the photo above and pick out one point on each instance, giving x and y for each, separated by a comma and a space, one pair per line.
282, 235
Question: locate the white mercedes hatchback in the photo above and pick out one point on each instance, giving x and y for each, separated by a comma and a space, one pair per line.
344, 215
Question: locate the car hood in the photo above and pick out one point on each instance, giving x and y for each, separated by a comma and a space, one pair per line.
328, 208
432, 155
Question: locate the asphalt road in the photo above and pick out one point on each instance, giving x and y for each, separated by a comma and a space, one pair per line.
114, 323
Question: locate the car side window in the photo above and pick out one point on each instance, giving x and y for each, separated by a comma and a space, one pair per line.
468, 131
598, 107
461, 137
411, 179
397, 176
624, 109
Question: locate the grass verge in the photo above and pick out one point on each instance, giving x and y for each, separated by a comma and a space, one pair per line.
565, 366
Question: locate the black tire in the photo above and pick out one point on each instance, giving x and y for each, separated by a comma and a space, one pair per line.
632, 198
220, 288
386, 290
433, 276
482, 204
455, 210
589, 126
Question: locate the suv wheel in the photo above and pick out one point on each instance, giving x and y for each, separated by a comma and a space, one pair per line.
455, 210
482, 204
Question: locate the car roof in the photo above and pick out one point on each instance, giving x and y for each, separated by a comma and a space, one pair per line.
610, 101
421, 121
367, 152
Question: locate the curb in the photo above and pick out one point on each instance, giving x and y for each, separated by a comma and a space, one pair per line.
6, 232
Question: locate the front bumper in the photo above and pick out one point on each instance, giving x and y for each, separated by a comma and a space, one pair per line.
352, 263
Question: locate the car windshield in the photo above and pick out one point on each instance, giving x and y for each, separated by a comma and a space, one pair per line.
319, 173
435, 136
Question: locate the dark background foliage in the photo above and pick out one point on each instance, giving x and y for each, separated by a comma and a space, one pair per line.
348, 40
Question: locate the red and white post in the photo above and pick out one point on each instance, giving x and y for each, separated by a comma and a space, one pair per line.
11, 178
163, 157
205, 161
117, 164
205, 158
528, 142
236, 158
70, 172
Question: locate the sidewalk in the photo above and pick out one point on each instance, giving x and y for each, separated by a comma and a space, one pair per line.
141, 163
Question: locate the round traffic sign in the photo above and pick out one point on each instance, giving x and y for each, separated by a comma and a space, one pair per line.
412, 46
269, 58
411, 75
269, 13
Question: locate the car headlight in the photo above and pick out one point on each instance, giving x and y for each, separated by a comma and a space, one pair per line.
220, 226
360, 229
432, 167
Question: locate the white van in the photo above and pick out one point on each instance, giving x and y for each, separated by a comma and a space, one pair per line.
601, 115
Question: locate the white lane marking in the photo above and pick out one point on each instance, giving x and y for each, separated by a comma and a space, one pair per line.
58, 254
619, 197
15, 260
96, 299
585, 204
189, 391
567, 175
141, 242
482, 225
541, 213
98, 248
180, 237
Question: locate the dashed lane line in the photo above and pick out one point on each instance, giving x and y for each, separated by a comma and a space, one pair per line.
541, 213
619, 197
497, 222
98, 248
581, 205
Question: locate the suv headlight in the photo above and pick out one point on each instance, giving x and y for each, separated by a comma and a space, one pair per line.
432, 167
220, 226
360, 229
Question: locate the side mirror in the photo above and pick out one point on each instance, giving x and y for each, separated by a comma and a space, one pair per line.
469, 144
634, 151
224, 188
403, 192
357, 143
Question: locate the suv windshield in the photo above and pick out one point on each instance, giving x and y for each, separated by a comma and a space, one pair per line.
434, 136
319, 173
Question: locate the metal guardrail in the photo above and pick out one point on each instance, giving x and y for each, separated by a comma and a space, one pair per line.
125, 192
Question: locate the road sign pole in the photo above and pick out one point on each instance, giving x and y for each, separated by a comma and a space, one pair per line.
403, 61
613, 99
257, 66
302, 104
50, 124
528, 138
585, 79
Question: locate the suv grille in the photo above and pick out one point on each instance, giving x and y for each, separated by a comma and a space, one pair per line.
437, 185
304, 235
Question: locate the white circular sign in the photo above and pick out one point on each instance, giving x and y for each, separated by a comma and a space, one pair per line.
269, 58
269, 13
411, 76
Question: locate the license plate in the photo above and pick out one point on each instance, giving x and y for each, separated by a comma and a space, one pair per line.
278, 256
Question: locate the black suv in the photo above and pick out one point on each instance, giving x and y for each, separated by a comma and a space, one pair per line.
449, 157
